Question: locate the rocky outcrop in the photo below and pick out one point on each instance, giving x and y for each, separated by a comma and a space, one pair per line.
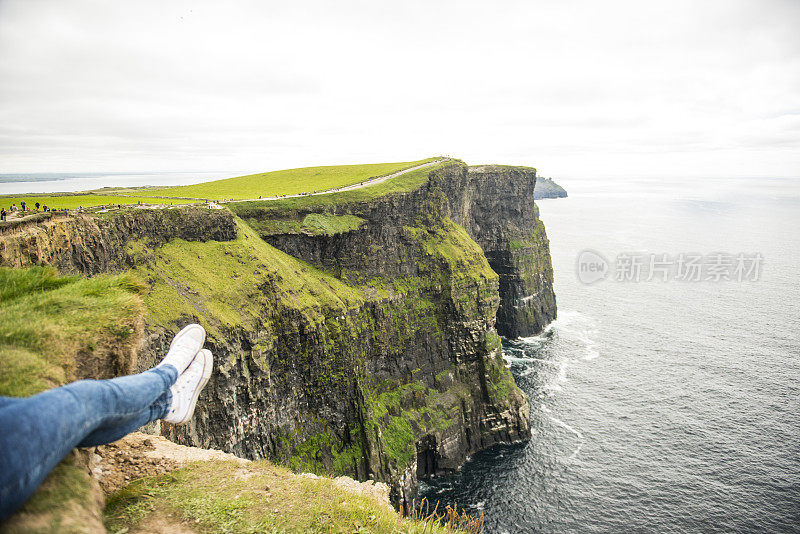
547, 188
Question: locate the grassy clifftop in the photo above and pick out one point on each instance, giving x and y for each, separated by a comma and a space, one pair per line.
82, 200
55, 329
267, 184
401, 184
285, 182
229, 496
221, 282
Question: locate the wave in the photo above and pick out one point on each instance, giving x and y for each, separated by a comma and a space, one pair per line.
527, 359
591, 354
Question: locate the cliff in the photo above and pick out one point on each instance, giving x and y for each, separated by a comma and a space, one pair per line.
547, 188
492, 203
92, 244
353, 334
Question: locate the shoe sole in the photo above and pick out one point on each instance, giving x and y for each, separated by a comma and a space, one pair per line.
208, 369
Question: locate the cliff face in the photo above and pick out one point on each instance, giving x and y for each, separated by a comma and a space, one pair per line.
494, 203
94, 244
377, 358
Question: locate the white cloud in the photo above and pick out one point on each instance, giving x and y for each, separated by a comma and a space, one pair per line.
576, 88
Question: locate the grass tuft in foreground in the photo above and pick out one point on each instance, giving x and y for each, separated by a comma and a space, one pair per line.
55, 329
450, 517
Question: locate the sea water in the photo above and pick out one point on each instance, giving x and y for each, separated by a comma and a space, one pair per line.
64, 182
664, 405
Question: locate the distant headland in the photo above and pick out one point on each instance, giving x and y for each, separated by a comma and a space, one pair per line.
547, 188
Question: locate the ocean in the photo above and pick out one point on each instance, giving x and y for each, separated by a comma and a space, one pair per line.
64, 182
663, 403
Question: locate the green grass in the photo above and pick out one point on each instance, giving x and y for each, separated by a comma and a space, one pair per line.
311, 224
46, 321
407, 411
451, 243
401, 184
285, 182
222, 281
86, 200
260, 497
319, 224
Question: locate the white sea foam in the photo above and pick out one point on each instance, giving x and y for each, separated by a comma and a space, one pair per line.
577, 433
562, 372
591, 354
541, 338
576, 326
528, 370
528, 359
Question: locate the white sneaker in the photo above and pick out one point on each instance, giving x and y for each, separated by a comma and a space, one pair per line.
188, 387
184, 347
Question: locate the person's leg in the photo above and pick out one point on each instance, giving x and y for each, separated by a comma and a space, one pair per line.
9, 401
175, 406
124, 426
37, 432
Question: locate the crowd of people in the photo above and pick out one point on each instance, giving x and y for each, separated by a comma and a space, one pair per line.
17, 212
24, 209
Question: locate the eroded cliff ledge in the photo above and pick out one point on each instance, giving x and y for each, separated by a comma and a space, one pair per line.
353, 334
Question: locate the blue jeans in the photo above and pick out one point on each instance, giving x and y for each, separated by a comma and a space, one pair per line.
39, 431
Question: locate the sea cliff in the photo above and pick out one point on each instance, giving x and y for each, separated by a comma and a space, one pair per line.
353, 335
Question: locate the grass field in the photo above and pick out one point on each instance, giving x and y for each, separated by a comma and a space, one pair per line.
268, 184
82, 200
401, 184
286, 182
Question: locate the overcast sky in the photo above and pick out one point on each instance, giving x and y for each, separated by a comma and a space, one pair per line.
577, 89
